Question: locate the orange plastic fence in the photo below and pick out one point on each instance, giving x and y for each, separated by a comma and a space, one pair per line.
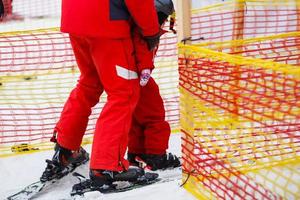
242, 19
240, 119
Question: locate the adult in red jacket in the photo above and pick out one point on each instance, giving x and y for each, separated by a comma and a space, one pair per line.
150, 132
100, 34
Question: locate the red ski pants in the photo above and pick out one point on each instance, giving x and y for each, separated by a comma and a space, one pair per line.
149, 132
109, 65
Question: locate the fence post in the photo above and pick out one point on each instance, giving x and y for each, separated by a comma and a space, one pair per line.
183, 15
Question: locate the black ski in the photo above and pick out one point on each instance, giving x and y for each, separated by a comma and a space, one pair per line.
31, 190
36, 188
168, 178
85, 185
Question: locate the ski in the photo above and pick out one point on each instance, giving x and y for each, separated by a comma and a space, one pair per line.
31, 190
119, 187
85, 185
97, 194
38, 187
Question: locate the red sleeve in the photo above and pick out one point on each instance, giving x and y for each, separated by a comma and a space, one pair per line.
144, 15
144, 57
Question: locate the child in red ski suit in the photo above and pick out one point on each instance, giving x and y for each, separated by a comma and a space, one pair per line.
150, 132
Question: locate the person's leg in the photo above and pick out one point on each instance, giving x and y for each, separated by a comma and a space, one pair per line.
74, 117
77, 109
150, 114
118, 74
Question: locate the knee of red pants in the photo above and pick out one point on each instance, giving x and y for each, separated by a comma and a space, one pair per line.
86, 95
150, 107
70, 133
74, 117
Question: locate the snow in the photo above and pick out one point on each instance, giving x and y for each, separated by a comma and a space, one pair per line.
20, 171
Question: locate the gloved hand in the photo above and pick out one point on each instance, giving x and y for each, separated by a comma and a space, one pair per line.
145, 76
152, 41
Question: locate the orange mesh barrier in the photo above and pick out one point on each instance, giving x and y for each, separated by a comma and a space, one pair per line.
37, 72
243, 19
283, 48
240, 119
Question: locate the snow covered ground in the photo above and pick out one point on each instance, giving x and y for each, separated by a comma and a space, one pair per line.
19, 171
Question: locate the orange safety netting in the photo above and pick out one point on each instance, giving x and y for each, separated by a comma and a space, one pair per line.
241, 19
283, 48
240, 119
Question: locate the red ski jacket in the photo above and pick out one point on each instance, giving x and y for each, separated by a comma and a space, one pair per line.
108, 18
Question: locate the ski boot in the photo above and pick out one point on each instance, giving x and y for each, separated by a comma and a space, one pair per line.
63, 162
153, 161
106, 181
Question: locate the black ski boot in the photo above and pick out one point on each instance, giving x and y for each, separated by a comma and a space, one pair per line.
137, 160
154, 161
106, 181
100, 177
63, 162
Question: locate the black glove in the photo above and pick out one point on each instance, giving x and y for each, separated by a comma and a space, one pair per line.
152, 41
